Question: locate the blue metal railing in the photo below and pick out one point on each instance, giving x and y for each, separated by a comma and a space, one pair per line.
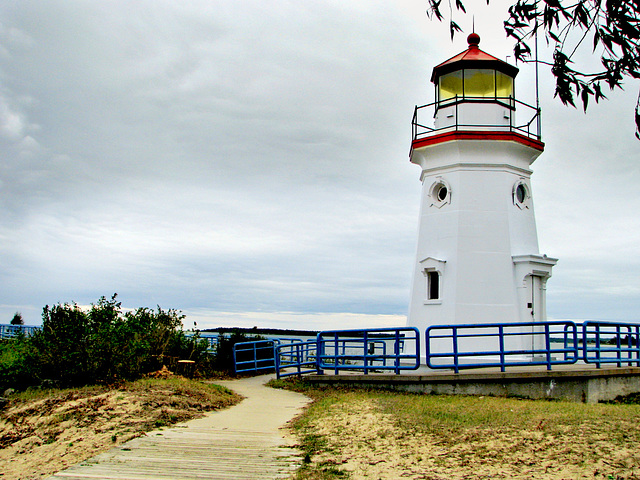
212, 339
254, 356
361, 350
297, 358
11, 331
610, 342
501, 345
452, 347
288, 355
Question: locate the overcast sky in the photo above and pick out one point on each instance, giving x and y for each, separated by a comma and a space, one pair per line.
246, 162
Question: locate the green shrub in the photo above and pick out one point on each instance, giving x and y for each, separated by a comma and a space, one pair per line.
17, 367
77, 347
62, 344
102, 345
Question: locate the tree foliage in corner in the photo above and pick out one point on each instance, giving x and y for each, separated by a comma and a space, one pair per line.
610, 27
17, 319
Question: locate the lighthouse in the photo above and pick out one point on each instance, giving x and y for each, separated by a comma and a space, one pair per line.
477, 258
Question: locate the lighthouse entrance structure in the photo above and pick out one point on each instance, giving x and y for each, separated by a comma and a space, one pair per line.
477, 257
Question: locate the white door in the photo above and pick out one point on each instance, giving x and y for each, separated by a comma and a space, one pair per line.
535, 306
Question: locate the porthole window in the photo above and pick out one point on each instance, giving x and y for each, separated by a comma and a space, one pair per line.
440, 193
521, 195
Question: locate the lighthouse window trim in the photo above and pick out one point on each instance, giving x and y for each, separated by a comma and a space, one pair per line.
433, 271
440, 192
521, 195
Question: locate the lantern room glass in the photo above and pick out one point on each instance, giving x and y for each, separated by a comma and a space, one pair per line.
450, 85
504, 85
479, 83
475, 82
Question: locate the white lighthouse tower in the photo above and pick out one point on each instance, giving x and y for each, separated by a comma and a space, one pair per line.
477, 257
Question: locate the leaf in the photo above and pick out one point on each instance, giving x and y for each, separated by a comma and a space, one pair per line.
453, 28
564, 78
638, 119
596, 39
549, 17
606, 39
530, 12
586, 92
581, 15
460, 6
598, 92
553, 36
555, 4
434, 9
521, 50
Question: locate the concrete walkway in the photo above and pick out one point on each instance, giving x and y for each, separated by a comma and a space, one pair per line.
242, 442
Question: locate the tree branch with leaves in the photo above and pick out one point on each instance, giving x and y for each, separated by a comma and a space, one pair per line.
612, 26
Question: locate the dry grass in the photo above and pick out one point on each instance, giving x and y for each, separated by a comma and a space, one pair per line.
42, 432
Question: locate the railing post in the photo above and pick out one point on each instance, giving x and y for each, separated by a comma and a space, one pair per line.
454, 337
501, 340
255, 356
456, 119
539, 123
597, 345
547, 339
396, 352
276, 357
628, 348
319, 353
511, 110
618, 347
335, 355
636, 344
417, 333
566, 344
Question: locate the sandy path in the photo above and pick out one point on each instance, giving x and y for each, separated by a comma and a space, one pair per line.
245, 441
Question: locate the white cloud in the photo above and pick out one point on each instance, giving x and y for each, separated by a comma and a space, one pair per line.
12, 122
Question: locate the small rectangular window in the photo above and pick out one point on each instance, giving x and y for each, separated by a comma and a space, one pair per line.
433, 285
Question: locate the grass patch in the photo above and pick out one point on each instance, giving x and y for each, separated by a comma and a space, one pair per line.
381, 434
453, 417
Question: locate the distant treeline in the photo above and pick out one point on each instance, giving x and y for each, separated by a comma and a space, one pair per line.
262, 331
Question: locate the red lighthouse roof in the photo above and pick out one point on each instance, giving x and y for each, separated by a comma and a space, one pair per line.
473, 57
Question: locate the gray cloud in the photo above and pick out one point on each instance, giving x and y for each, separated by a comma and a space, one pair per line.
252, 157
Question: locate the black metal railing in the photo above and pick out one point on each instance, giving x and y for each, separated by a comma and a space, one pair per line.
530, 128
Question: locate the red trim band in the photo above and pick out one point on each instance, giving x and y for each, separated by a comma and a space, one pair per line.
477, 135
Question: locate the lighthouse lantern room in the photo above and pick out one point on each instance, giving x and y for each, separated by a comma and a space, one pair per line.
477, 256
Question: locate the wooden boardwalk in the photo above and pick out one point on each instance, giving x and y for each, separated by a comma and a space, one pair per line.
243, 442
